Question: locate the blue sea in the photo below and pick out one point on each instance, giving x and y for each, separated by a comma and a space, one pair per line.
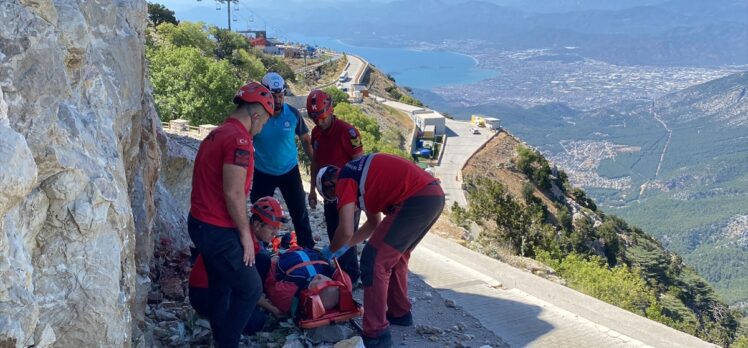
412, 68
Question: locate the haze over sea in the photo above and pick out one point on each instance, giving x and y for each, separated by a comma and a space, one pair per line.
412, 68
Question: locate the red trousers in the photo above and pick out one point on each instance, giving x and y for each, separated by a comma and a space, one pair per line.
384, 260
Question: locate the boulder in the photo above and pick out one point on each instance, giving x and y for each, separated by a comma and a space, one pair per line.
78, 130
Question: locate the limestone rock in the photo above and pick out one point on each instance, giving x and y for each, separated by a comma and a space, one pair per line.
330, 333
174, 187
78, 128
353, 342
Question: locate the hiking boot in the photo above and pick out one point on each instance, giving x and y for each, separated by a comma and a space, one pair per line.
384, 340
405, 320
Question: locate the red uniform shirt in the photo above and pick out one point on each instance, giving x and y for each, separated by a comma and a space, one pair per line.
337, 145
280, 293
230, 143
198, 274
389, 180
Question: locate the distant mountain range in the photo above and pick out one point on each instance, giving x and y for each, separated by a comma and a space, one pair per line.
643, 32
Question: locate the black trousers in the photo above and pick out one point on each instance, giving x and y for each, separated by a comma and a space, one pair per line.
349, 260
201, 302
293, 193
234, 288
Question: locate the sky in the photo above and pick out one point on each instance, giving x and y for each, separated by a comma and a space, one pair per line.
177, 5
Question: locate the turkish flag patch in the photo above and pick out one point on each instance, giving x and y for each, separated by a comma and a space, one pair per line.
242, 141
242, 157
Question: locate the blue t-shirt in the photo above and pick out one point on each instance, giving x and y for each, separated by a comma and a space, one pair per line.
275, 145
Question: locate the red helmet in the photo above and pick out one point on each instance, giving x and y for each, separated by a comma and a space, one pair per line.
254, 92
270, 211
319, 105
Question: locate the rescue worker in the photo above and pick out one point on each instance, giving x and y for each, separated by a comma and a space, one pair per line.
266, 218
412, 201
335, 142
218, 224
277, 164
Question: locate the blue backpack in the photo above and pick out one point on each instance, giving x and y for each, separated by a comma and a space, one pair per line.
300, 266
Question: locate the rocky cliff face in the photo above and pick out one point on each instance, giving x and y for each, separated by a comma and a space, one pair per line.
79, 161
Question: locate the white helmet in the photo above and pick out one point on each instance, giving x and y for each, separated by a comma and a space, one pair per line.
325, 187
274, 82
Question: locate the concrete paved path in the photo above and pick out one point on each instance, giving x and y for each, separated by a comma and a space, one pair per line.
529, 311
461, 144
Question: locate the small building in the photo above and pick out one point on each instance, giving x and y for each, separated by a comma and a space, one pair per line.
258, 42
478, 120
492, 123
485, 121
273, 46
356, 97
428, 132
433, 118
293, 52
273, 50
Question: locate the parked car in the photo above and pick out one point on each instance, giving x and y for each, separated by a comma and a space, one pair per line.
475, 131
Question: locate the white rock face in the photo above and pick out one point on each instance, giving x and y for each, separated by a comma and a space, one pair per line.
174, 188
79, 162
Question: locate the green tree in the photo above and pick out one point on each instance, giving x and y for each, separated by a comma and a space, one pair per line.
249, 66
619, 286
358, 119
371, 135
528, 193
505, 220
158, 14
227, 42
741, 342
404, 98
393, 92
279, 66
189, 85
187, 34
581, 198
534, 166
337, 95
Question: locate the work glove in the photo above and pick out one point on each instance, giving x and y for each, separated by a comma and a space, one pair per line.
329, 255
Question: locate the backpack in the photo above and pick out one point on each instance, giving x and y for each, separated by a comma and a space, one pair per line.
299, 266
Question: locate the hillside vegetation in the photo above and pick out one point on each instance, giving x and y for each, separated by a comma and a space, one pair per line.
522, 207
378, 125
384, 85
696, 203
195, 70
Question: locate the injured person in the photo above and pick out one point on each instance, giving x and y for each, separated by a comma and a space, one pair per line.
297, 283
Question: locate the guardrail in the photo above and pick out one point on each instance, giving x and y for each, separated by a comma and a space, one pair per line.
481, 147
360, 74
308, 68
442, 149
